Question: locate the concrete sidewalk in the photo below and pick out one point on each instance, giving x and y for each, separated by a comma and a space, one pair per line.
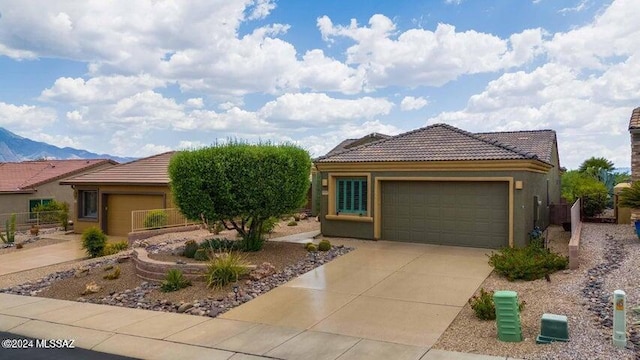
158, 335
27, 259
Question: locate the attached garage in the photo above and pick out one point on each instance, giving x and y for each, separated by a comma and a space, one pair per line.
441, 185
120, 206
466, 213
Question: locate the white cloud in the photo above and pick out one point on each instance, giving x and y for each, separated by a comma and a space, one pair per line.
195, 103
98, 89
261, 9
582, 5
409, 103
611, 35
314, 109
26, 116
422, 57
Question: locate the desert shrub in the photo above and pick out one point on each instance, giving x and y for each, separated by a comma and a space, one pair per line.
201, 255
292, 223
53, 212
324, 245
221, 245
296, 217
156, 219
225, 268
484, 306
174, 281
190, 248
113, 275
311, 247
114, 248
528, 263
94, 241
593, 192
241, 184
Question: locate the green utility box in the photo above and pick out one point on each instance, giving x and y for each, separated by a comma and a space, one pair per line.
553, 328
507, 316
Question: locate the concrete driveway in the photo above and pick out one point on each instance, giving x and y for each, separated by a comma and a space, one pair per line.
393, 292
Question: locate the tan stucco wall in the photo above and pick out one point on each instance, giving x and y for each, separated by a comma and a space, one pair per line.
82, 224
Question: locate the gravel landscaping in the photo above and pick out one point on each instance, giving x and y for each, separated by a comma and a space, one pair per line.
289, 260
609, 260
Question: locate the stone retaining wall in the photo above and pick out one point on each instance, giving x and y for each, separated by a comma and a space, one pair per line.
153, 270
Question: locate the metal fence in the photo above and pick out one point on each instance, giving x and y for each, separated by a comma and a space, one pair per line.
142, 220
25, 220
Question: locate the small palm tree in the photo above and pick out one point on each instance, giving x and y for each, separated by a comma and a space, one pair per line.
630, 197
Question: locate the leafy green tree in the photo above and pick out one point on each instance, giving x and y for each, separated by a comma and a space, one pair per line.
593, 192
52, 212
241, 185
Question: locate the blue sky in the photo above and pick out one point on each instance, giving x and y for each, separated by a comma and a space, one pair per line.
138, 78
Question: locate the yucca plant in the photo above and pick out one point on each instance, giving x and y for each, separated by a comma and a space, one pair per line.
225, 268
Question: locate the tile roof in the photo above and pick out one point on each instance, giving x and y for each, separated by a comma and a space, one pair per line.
26, 176
438, 142
634, 122
151, 170
539, 142
349, 143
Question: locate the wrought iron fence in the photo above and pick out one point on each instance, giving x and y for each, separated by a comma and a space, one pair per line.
24, 220
142, 220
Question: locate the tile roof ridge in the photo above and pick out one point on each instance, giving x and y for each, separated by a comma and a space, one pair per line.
515, 131
493, 142
143, 159
391, 137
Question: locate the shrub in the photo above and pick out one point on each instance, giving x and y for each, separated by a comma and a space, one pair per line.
114, 248
483, 305
201, 255
593, 192
528, 263
226, 268
94, 241
241, 184
296, 217
113, 275
221, 245
190, 248
324, 245
156, 219
630, 197
311, 247
174, 281
52, 212
292, 223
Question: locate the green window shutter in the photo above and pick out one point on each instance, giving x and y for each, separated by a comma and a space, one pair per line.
351, 196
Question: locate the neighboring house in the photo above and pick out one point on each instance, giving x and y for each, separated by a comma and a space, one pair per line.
24, 185
442, 185
106, 198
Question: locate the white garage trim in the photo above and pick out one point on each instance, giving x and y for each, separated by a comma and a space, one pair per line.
377, 218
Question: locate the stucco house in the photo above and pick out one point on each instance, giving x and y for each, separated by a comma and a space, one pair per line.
106, 198
24, 185
442, 185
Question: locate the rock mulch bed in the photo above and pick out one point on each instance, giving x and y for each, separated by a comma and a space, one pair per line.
609, 260
137, 297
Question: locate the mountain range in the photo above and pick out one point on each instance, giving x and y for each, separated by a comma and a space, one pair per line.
15, 148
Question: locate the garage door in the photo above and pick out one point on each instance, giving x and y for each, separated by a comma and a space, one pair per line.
119, 208
448, 213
